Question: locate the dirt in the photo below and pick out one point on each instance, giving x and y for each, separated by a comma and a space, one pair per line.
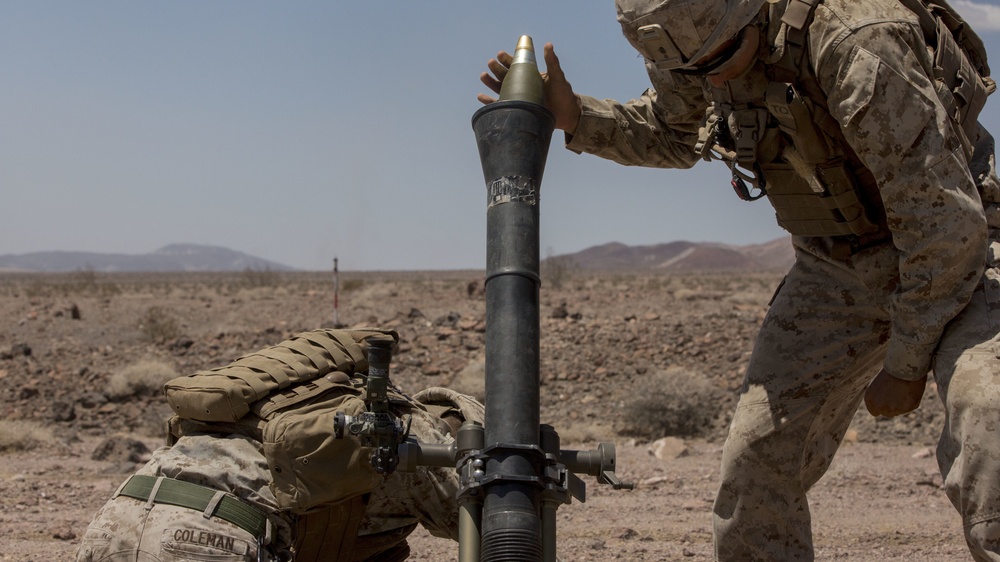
625, 358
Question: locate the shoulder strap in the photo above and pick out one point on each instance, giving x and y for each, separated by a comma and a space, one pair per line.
931, 11
795, 22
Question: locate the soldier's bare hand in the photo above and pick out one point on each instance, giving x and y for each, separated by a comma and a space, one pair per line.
560, 98
494, 78
888, 396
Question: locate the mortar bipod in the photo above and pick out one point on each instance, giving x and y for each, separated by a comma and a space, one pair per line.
558, 478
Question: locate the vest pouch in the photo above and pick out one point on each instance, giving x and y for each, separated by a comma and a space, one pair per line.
959, 87
795, 118
803, 212
309, 467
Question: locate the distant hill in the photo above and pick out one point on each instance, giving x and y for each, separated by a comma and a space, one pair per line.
671, 256
175, 257
685, 256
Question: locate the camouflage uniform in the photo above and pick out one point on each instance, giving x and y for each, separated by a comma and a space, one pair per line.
127, 528
927, 298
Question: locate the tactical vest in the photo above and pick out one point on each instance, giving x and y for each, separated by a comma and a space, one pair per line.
774, 129
285, 397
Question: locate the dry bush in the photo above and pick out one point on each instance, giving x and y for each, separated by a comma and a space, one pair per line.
557, 270
87, 282
20, 435
674, 403
158, 325
142, 378
348, 285
265, 277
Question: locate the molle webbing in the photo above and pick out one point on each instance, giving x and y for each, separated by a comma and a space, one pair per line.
224, 394
329, 533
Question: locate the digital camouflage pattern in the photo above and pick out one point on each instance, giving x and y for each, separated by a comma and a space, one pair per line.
693, 28
126, 527
929, 298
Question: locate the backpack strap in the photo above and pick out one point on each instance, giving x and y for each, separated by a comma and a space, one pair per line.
930, 12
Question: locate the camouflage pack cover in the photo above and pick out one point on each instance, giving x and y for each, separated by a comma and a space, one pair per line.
286, 396
224, 394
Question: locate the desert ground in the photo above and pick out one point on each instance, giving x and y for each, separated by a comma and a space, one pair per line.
650, 362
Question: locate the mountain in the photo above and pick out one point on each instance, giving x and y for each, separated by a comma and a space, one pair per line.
175, 257
685, 256
671, 256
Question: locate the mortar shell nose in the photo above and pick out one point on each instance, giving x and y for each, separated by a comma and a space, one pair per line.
525, 43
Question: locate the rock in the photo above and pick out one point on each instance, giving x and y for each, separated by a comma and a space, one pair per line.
20, 350
668, 448
63, 534
560, 311
92, 400
120, 448
655, 480
181, 343
61, 411
626, 534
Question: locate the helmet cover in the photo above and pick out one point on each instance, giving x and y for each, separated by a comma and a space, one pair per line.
676, 34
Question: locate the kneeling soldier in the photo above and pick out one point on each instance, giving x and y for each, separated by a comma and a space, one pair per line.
254, 472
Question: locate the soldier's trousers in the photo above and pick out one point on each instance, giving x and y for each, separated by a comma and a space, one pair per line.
822, 342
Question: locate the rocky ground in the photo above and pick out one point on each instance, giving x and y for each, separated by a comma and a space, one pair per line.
627, 358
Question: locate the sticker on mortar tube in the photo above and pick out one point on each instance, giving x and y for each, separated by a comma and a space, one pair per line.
511, 189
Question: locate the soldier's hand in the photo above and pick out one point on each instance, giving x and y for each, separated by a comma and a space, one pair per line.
498, 67
888, 396
559, 96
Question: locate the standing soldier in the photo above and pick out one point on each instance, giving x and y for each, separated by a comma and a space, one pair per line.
858, 122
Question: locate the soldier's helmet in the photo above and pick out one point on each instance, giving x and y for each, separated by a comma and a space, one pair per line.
679, 34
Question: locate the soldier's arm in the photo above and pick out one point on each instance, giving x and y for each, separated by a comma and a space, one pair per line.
657, 130
879, 89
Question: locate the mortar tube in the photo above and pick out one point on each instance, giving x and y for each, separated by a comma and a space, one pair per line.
513, 138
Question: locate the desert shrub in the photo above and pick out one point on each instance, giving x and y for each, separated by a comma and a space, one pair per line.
264, 277
21, 435
38, 289
347, 285
158, 325
141, 378
88, 282
674, 403
556, 270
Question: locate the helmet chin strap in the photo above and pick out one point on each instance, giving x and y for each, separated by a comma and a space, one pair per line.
741, 60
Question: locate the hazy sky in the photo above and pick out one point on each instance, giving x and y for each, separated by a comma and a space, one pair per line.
300, 131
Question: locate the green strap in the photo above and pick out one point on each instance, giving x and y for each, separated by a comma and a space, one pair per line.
193, 496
